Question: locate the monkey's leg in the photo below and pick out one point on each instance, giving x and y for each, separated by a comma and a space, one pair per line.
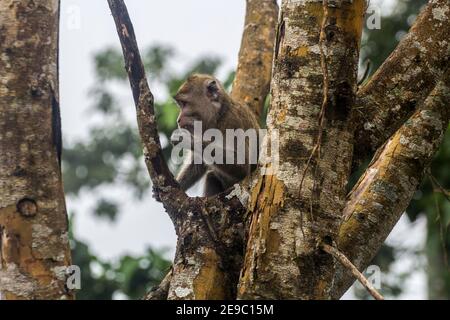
213, 185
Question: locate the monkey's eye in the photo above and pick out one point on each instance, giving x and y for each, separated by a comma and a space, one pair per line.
182, 104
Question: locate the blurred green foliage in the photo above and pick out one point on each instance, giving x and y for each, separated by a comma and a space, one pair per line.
131, 276
379, 43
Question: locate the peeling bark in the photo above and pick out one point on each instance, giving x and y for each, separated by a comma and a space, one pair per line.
254, 70
34, 243
404, 80
383, 193
283, 260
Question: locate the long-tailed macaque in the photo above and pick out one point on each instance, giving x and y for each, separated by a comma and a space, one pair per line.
202, 98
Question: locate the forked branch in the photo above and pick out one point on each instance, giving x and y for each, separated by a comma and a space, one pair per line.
384, 191
404, 80
210, 257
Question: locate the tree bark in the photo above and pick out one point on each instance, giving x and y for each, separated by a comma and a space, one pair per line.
314, 75
404, 80
209, 245
34, 242
383, 193
254, 71
287, 216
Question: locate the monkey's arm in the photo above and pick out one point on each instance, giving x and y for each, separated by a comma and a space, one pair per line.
190, 173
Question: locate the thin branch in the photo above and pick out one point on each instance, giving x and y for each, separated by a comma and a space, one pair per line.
165, 186
404, 80
438, 187
350, 266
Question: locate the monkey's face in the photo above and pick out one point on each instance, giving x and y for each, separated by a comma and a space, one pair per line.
198, 100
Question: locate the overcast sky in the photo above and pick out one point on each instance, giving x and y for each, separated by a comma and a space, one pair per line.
195, 28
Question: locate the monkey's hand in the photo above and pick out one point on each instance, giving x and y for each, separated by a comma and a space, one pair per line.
187, 140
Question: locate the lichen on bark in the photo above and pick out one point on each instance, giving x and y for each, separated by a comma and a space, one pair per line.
383, 193
404, 80
287, 224
34, 246
254, 69
286, 221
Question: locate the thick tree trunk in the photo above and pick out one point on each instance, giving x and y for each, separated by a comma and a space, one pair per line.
299, 207
34, 243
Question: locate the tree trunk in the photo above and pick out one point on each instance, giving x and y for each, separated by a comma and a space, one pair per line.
299, 207
34, 242
254, 70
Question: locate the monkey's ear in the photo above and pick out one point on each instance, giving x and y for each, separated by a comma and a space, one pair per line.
212, 90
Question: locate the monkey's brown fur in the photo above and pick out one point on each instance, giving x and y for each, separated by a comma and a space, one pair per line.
203, 98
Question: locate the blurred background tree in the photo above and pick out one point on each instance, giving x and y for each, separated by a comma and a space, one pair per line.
112, 156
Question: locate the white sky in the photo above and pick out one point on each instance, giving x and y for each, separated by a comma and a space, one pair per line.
195, 28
